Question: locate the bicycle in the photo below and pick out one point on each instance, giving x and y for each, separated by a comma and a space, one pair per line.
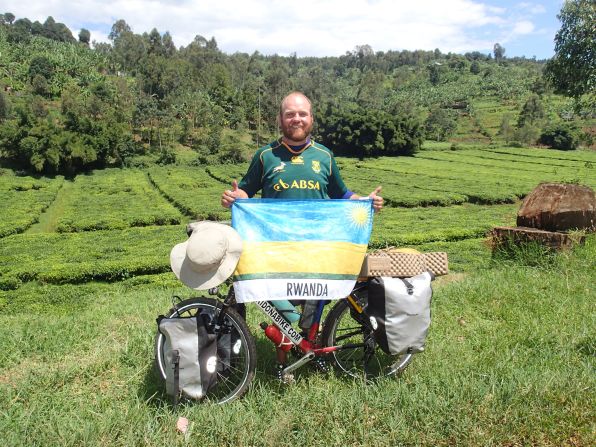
346, 336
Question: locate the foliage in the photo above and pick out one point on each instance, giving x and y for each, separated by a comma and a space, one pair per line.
4, 107
192, 190
142, 94
440, 124
573, 68
532, 112
564, 136
81, 257
26, 198
506, 130
120, 199
499, 52
369, 132
518, 353
527, 134
415, 226
84, 36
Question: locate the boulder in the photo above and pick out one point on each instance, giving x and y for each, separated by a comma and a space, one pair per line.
559, 207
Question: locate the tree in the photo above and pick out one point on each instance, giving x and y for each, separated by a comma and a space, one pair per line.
154, 43
55, 31
563, 136
440, 124
4, 107
41, 65
505, 129
434, 73
572, 70
84, 36
168, 44
475, 67
532, 112
20, 31
9, 17
499, 52
118, 29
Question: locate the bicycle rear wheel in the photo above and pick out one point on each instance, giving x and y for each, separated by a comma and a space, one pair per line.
236, 349
345, 326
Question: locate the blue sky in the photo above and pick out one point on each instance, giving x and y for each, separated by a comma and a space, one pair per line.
319, 27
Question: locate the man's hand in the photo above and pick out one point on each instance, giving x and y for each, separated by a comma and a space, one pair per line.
377, 199
229, 196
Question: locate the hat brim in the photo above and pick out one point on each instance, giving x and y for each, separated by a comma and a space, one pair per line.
181, 266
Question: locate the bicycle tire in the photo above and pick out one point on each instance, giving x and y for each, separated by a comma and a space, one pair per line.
344, 325
234, 377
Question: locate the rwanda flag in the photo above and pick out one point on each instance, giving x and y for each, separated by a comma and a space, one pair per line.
300, 249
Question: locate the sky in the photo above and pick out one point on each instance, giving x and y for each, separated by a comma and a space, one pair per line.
318, 27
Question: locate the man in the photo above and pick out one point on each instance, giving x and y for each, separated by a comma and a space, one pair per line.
294, 167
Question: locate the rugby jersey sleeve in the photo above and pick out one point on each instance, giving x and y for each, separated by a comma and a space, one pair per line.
252, 181
336, 187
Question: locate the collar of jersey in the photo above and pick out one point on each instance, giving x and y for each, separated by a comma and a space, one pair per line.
284, 144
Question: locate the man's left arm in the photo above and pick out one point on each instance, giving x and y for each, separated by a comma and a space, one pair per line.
376, 198
342, 192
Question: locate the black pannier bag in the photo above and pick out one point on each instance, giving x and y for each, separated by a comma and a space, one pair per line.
399, 311
190, 356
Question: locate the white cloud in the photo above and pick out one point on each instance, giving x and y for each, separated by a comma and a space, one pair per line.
532, 8
308, 27
523, 27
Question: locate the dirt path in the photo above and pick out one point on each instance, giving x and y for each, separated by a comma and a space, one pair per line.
48, 220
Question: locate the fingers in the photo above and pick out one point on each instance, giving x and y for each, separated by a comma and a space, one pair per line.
229, 196
377, 200
227, 199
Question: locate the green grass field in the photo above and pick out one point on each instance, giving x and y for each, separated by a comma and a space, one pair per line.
509, 359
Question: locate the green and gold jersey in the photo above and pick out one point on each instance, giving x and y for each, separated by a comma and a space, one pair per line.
283, 173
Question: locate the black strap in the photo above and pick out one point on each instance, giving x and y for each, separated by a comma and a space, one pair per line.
176, 376
408, 285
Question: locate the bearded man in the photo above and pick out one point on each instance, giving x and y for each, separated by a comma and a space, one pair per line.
294, 166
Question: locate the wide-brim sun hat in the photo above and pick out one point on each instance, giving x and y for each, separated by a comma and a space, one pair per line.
208, 257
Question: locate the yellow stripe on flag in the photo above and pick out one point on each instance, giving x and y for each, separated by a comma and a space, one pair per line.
305, 257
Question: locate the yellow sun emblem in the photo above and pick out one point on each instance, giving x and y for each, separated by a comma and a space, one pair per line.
359, 216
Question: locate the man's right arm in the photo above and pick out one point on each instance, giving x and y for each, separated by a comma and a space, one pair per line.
251, 183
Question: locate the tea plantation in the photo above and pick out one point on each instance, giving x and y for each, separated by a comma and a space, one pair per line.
84, 271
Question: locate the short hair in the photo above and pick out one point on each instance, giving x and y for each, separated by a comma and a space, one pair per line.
296, 92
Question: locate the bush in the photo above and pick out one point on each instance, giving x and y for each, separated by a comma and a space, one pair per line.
563, 136
527, 134
440, 124
369, 132
532, 112
166, 157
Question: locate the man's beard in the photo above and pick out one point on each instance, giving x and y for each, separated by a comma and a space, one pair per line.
296, 133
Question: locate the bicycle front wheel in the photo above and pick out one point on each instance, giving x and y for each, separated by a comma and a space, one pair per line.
236, 349
348, 327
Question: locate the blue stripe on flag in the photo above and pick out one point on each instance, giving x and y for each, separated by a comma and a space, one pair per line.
264, 220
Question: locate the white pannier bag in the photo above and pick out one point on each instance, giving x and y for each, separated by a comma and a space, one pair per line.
189, 356
399, 312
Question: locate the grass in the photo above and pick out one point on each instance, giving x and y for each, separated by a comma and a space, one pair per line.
509, 361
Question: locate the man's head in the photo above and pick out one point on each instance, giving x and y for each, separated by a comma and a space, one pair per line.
295, 118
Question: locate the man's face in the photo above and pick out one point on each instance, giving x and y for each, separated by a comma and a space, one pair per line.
296, 119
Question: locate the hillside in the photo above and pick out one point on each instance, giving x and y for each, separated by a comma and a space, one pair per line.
67, 108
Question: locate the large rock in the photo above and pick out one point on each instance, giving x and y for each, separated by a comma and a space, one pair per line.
559, 207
